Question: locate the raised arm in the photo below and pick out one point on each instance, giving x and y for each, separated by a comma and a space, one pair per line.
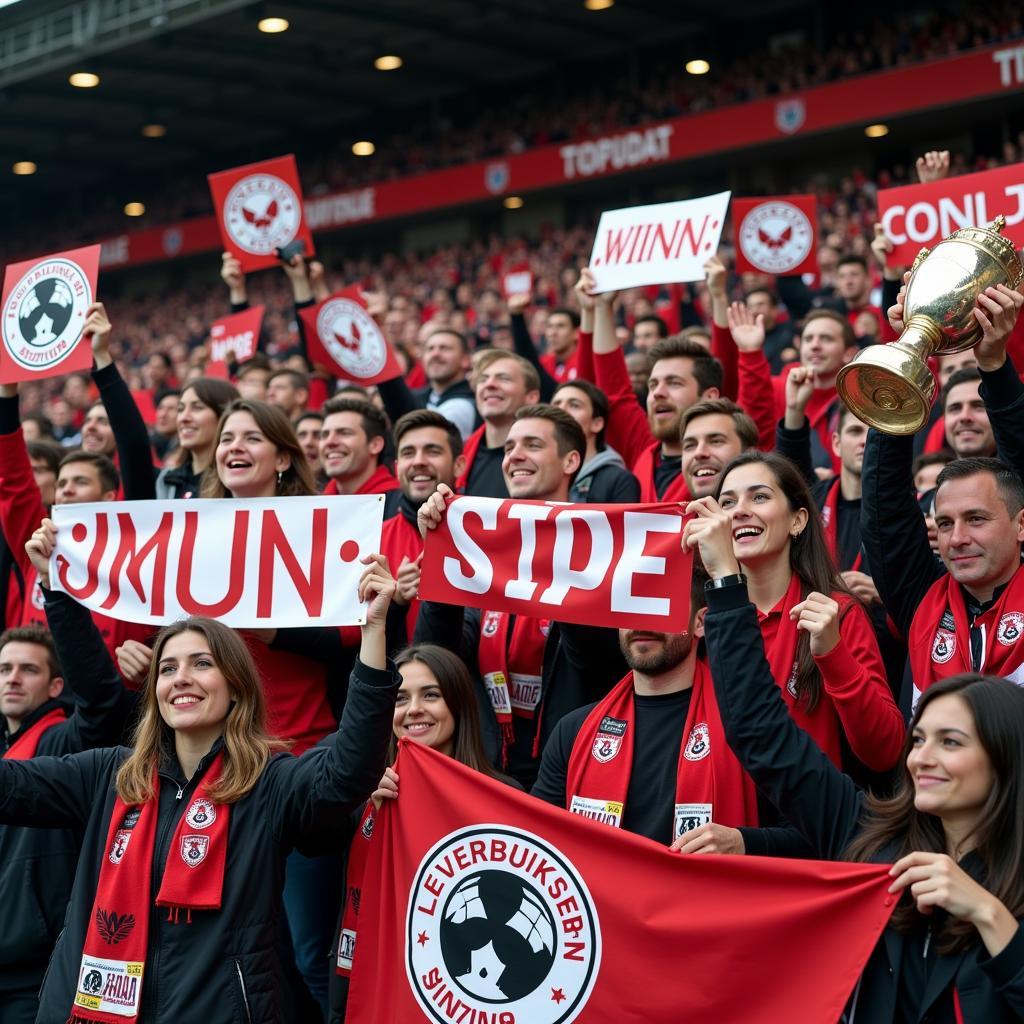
793, 432
524, 344
21, 506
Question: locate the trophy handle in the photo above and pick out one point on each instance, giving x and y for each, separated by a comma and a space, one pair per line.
920, 258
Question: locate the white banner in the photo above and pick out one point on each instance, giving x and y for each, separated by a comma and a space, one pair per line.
665, 243
248, 563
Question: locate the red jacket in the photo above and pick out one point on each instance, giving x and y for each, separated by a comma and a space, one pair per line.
380, 482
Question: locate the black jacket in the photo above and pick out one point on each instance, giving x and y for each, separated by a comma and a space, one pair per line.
37, 865
826, 807
581, 664
134, 453
231, 965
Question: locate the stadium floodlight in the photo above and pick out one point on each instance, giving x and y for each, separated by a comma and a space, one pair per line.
388, 62
598, 5
697, 67
84, 79
364, 148
134, 209
154, 131
23, 167
876, 131
272, 25
513, 202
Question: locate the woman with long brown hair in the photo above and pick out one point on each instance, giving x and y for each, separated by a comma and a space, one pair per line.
176, 911
776, 540
953, 951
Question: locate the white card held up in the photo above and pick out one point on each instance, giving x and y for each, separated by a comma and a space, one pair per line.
666, 243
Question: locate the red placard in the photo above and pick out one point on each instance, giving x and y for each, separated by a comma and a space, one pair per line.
921, 215
260, 209
517, 280
775, 234
342, 337
238, 334
44, 307
599, 565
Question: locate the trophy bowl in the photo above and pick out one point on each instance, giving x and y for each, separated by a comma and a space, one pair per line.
890, 386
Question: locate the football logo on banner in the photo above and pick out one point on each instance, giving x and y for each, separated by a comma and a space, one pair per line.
44, 308
343, 337
260, 210
487, 930
775, 236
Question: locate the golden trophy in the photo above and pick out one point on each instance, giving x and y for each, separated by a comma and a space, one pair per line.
890, 385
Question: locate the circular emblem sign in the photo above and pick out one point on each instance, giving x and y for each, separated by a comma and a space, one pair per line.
776, 237
500, 927
44, 314
351, 337
262, 213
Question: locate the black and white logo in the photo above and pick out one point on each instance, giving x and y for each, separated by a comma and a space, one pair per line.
352, 337
776, 237
194, 849
262, 213
201, 813
943, 646
500, 926
1011, 625
44, 314
698, 746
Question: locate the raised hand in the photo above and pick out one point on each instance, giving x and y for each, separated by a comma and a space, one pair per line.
933, 166
710, 531
231, 274
387, 789
799, 389
818, 616
432, 512
996, 311
39, 548
747, 331
97, 329
134, 659
408, 580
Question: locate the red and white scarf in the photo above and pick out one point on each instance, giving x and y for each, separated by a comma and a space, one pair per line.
512, 668
358, 855
643, 470
469, 450
939, 644
114, 956
25, 746
710, 784
830, 523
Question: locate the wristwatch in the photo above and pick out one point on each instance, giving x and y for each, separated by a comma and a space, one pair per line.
726, 581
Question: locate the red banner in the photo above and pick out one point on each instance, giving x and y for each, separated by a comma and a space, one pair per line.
600, 565
775, 234
935, 84
260, 210
344, 339
237, 335
543, 917
921, 215
44, 309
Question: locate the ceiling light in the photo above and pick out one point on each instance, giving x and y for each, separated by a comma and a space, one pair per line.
364, 148
598, 5
154, 131
272, 25
134, 209
513, 202
876, 131
84, 80
24, 167
697, 67
389, 62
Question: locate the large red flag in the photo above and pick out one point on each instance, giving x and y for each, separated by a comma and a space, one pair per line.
481, 905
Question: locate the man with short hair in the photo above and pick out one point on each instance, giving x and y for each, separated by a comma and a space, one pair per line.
561, 332
37, 865
714, 431
779, 335
252, 378
288, 389
853, 285
445, 362
603, 478
351, 444
503, 383
97, 436
647, 332
529, 671
163, 435
965, 419
307, 430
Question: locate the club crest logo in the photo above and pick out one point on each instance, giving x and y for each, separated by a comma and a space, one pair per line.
37, 596
1011, 625
262, 213
351, 337
485, 938
201, 813
490, 624
44, 314
943, 646
776, 237
367, 827
496, 177
698, 746
119, 847
608, 741
113, 928
790, 115
194, 849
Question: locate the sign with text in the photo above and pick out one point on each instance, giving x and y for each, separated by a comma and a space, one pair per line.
234, 337
599, 565
775, 234
517, 280
921, 215
245, 562
259, 208
44, 308
342, 337
661, 244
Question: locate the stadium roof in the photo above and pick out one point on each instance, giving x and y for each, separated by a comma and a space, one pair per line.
227, 92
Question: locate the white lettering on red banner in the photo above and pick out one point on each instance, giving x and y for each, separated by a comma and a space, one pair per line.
248, 563
616, 152
921, 215
334, 211
236, 335
116, 251
602, 565
659, 244
1011, 65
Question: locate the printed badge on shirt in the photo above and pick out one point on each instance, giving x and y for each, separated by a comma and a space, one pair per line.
525, 692
608, 812
690, 816
346, 949
608, 741
110, 986
497, 689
